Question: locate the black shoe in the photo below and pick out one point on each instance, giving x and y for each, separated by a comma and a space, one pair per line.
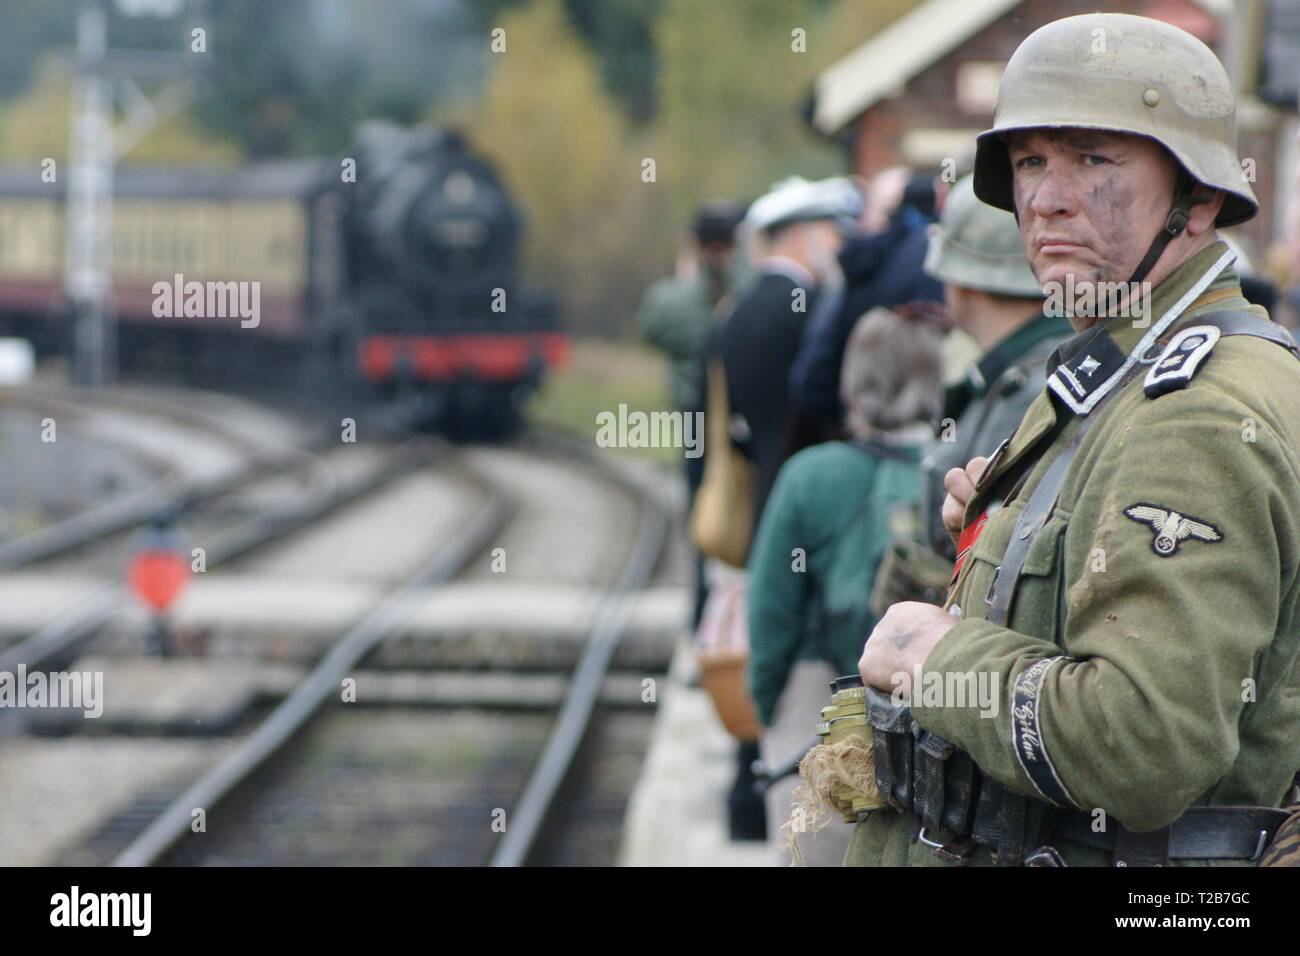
746, 810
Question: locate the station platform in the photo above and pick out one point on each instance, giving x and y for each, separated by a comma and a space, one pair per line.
29, 599
677, 815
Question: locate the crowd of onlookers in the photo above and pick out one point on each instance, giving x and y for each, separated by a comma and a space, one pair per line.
827, 336
848, 344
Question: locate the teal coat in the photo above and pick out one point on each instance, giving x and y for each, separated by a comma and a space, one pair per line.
819, 543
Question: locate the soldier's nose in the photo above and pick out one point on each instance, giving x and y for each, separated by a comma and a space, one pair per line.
1053, 195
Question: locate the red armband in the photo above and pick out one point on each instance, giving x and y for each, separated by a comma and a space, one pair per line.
965, 540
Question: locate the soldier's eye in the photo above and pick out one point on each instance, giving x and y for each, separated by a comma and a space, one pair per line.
1094, 159
1025, 162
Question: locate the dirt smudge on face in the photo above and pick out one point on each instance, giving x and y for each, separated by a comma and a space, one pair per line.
1110, 207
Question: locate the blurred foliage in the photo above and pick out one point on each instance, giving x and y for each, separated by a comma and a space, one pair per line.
730, 90
619, 32
567, 152
297, 76
851, 22
36, 125
622, 34
725, 121
28, 30
288, 77
733, 87
597, 378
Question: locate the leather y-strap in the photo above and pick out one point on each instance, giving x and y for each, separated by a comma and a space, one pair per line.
1041, 502
1240, 322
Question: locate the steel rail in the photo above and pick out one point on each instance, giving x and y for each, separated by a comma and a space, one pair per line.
525, 822
94, 607
170, 493
319, 685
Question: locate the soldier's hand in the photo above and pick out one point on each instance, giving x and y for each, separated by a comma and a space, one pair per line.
900, 643
960, 483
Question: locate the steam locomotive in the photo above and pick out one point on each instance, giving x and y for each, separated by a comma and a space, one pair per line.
386, 276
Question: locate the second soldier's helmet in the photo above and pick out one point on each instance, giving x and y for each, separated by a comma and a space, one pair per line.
978, 246
1120, 73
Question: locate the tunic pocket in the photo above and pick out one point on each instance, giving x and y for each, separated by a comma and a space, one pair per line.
1039, 595
1039, 605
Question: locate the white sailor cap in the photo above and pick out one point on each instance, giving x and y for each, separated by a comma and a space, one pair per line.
797, 200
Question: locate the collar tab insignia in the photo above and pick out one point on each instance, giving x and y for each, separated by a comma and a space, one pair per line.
1090, 373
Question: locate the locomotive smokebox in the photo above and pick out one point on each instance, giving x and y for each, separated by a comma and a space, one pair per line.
430, 217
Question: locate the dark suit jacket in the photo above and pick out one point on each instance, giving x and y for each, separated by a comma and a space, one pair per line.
758, 345
879, 270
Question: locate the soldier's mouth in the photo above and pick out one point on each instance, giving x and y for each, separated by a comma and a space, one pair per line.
1051, 245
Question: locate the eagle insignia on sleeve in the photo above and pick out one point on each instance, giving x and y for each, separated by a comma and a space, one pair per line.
1171, 528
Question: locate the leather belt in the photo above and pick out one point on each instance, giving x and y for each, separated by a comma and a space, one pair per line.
1201, 833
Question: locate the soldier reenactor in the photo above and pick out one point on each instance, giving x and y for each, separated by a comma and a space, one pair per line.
1129, 561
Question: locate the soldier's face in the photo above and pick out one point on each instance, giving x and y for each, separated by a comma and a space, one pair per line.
1089, 202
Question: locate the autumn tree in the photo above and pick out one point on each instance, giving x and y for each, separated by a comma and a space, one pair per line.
570, 158
35, 124
733, 77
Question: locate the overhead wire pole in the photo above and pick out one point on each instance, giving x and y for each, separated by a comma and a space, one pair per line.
88, 261
88, 264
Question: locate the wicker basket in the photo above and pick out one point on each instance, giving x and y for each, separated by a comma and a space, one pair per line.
724, 675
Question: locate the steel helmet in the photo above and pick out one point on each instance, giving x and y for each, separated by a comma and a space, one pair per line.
978, 246
1127, 74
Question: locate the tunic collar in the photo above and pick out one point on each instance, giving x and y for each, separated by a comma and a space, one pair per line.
1086, 367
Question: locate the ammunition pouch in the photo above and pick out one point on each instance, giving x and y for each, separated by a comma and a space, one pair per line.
956, 806
928, 791
893, 738
909, 571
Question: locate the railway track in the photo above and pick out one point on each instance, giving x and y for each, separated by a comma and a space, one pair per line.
307, 485
214, 459
320, 684
355, 783
547, 751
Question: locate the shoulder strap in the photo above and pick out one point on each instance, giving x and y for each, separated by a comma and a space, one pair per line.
1037, 509
1043, 498
1240, 322
1191, 343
